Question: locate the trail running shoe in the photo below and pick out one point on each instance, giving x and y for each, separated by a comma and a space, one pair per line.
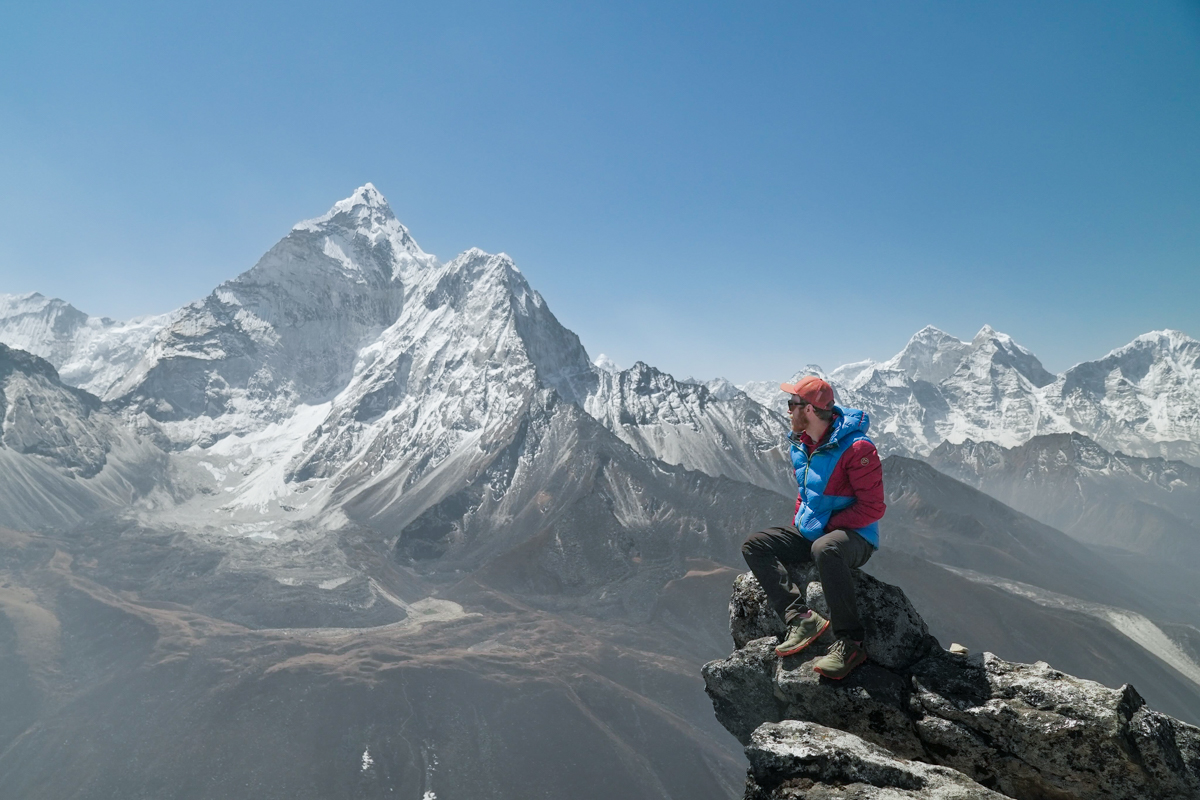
842, 658
803, 632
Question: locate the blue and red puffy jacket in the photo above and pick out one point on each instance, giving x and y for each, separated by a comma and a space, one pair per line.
840, 478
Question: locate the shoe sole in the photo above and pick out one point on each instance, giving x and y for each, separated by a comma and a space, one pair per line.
802, 645
850, 669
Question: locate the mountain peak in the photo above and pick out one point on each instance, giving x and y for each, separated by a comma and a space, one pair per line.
364, 213
931, 355
605, 363
1168, 337
366, 196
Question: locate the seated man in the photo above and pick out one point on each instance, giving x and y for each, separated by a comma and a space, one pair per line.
836, 524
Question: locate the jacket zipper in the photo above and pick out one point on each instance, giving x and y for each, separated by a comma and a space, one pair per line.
808, 462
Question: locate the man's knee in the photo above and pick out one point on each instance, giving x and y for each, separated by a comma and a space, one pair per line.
756, 544
753, 545
825, 548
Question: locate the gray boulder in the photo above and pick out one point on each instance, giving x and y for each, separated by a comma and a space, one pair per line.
742, 688
872, 702
896, 636
794, 759
1028, 731
750, 615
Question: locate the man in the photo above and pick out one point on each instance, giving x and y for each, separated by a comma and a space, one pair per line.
836, 525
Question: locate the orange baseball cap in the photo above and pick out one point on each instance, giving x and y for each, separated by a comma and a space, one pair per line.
811, 389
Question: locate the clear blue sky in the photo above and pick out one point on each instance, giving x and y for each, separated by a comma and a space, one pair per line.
726, 188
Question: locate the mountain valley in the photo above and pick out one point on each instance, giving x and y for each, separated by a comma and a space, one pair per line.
361, 523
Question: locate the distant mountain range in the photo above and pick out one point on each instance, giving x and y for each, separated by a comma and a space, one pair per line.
365, 477
1140, 399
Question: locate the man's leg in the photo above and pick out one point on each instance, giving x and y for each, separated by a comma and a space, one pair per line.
835, 554
766, 552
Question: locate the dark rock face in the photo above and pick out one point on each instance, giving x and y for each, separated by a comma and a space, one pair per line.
1026, 731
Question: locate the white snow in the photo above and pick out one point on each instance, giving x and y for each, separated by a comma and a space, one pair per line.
333, 583
605, 363
91, 353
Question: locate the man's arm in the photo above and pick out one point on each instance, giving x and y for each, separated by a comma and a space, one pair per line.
865, 474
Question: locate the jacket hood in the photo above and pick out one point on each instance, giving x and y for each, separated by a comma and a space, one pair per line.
848, 420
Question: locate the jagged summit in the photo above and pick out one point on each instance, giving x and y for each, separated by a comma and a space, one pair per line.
931, 355
365, 199
365, 214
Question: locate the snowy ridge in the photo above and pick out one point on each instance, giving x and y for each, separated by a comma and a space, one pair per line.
1142, 399
720, 433
63, 455
91, 353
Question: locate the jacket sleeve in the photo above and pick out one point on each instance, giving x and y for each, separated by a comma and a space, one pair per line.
865, 473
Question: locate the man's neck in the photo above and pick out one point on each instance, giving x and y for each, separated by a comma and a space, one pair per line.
818, 429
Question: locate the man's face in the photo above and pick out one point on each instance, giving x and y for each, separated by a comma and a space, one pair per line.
798, 409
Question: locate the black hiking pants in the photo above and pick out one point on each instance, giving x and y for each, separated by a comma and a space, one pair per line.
835, 554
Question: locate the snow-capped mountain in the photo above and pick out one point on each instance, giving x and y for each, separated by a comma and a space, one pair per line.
90, 353
714, 430
1142, 399
285, 333
349, 357
350, 364
351, 375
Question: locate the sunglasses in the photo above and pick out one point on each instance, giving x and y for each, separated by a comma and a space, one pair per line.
796, 403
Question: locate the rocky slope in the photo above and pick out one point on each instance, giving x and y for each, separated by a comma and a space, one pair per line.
992, 726
1144, 505
715, 429
63, 455
108, 693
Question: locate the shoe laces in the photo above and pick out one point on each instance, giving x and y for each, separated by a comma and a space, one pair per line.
838, 649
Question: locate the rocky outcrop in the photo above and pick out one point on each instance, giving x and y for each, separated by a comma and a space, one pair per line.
896, 636
1023, 730
821, 762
